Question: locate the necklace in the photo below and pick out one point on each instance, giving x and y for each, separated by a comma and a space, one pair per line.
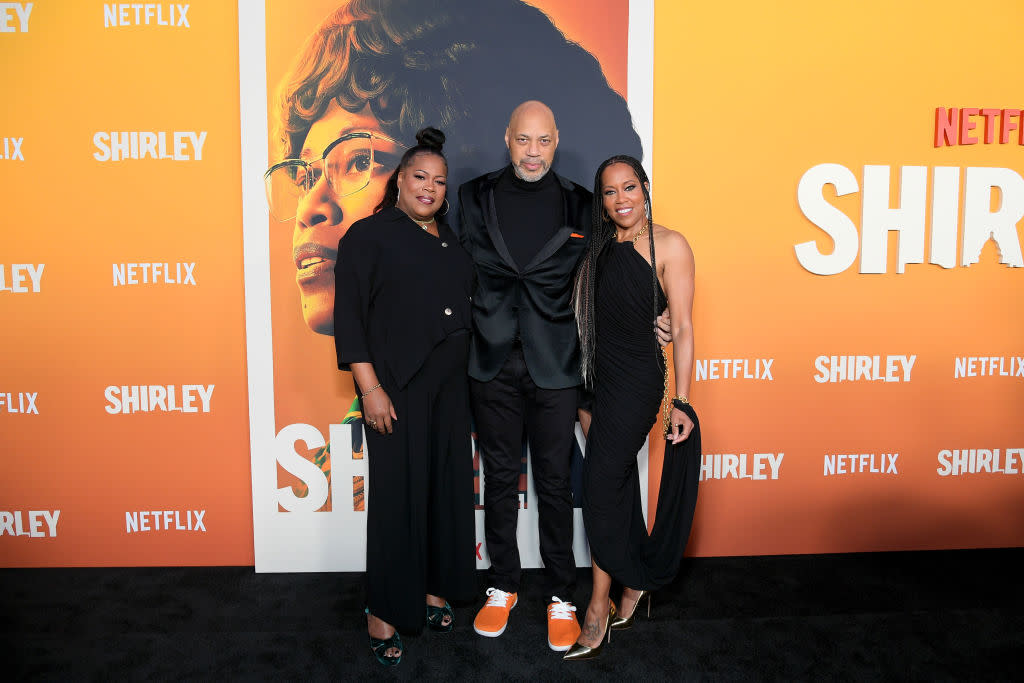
423, 224
638, 235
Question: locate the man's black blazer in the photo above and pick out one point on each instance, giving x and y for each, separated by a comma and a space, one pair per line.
535, 301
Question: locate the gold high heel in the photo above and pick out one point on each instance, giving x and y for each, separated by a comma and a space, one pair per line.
622, 623
578, 651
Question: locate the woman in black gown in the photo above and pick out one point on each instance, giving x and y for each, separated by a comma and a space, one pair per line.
632, 269
403, 330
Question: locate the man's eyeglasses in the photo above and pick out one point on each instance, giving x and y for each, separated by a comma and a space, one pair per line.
349, 163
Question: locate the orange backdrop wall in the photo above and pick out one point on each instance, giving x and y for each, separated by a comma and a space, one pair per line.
747, 101
86, 478
778, 130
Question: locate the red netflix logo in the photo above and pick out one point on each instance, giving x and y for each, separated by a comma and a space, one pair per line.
955, 126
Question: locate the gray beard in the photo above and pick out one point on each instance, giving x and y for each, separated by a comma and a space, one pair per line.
519, 174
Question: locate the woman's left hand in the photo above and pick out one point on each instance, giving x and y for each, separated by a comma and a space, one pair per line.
682, 425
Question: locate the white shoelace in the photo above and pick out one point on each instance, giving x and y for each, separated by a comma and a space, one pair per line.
561, 610
497, 598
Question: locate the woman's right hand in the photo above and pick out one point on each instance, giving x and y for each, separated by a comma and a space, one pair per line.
378, 411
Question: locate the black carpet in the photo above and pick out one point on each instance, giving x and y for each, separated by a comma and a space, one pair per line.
950, 615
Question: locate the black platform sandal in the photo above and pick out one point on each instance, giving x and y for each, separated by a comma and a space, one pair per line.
436, 615
380, 646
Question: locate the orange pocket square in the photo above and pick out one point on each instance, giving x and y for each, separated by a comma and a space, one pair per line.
576, 234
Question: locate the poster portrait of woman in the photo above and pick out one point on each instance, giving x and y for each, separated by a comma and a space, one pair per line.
348, 84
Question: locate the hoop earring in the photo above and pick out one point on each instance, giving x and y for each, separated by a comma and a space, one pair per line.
447, 206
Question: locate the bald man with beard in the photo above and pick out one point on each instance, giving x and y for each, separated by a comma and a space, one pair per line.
526, 229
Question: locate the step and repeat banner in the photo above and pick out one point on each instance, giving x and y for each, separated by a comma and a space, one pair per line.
123, 389
848, 175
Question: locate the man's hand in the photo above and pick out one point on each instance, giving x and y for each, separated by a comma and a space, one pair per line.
663, 326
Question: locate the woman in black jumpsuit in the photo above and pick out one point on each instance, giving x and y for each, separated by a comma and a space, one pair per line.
403, 330
619, 293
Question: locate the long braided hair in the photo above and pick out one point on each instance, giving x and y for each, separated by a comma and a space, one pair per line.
603, 232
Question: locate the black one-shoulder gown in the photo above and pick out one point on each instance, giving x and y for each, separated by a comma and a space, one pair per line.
628, 390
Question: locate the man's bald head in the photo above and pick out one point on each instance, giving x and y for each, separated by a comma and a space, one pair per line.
531, 138
532, 110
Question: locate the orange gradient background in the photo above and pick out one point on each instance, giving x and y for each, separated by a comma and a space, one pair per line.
68, 78
745, 103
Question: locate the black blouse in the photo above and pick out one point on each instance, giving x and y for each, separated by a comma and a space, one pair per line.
399, 292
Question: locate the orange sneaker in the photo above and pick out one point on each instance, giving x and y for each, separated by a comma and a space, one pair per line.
492, 618
563, 629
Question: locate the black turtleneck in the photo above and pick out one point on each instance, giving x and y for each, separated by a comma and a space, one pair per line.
528, 213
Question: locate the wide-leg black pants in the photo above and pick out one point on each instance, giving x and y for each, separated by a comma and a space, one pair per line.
502, 408
420, 527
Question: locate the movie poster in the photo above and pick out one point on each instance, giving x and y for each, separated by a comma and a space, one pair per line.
461, 66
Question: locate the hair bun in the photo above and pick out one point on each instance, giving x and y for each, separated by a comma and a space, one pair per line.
430, 137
